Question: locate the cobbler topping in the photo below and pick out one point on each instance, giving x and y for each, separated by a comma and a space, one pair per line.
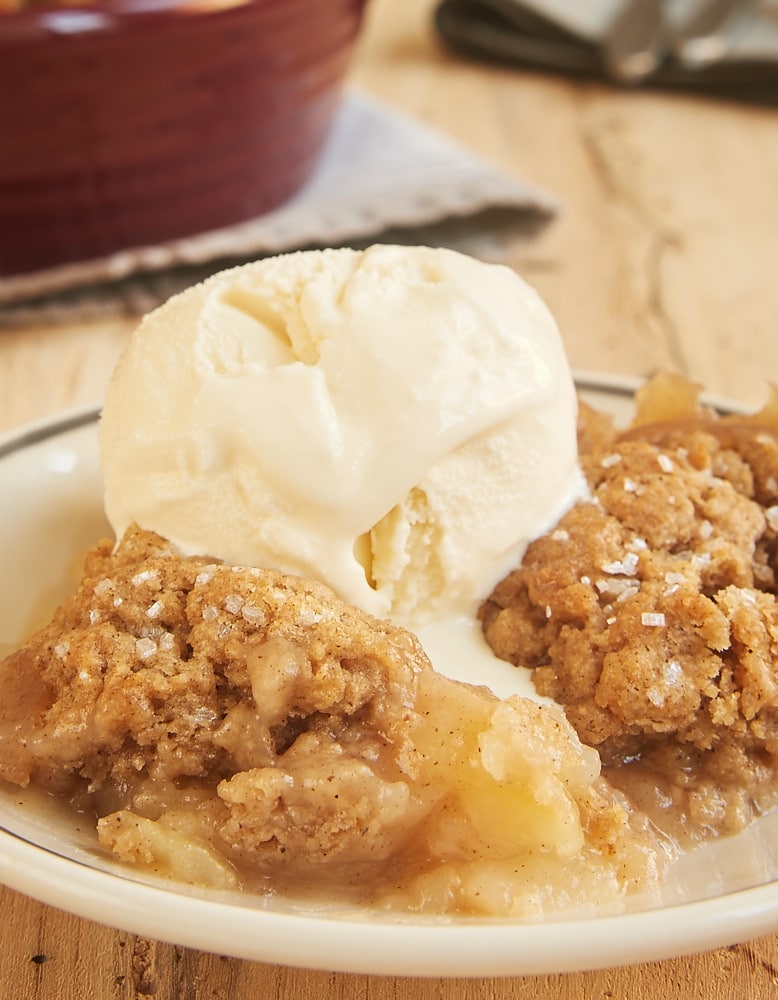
649, 612
238, 728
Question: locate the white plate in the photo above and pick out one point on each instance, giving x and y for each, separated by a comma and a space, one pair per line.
50, 512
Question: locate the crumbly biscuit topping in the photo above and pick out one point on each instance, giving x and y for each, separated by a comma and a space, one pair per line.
235, 727
649, 612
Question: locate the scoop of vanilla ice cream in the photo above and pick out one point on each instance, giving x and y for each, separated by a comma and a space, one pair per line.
396, 422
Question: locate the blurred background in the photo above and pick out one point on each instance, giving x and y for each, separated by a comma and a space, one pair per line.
641, 202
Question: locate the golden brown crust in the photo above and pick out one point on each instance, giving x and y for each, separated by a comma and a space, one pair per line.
235, 726
649, 612
160, 669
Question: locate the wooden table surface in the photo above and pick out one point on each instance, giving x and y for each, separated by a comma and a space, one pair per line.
665, 255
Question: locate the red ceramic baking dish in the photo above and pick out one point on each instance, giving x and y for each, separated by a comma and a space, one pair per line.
127, 123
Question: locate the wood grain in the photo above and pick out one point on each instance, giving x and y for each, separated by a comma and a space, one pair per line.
49, 954
664, 254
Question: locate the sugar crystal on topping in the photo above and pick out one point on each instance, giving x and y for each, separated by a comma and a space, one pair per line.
673, 671
233, 603
622, 567
616, 587
145, 647
167, 642
252, 614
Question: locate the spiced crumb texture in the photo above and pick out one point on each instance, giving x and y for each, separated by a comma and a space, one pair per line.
649, 611
239, 729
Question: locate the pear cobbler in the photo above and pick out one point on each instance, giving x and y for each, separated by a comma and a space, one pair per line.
310, 459
236, 727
